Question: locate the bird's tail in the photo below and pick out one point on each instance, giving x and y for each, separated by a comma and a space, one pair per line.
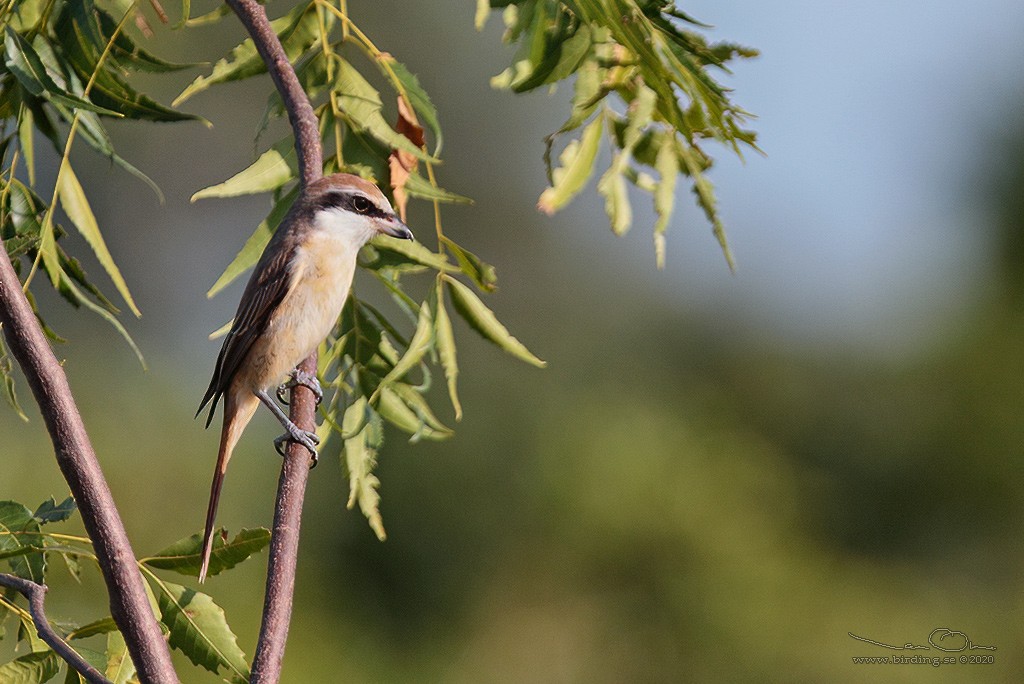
237, 415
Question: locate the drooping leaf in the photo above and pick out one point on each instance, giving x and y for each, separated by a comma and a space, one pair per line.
23, 61
7, 376
185, 555
199, 629
667, 164
101, 626
445, 340
616, 196
577, 165
418, 97
32, 668
360, 460
418, 347
76, 205
483, 320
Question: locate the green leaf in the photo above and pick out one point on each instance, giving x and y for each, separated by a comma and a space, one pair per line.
297, 30
185, 556
483, 10
445, 340
667, 165
101, 626
23, 61
417, 96
271, 170
50, 511
76, 205
120, 668
577, 165
418, 186
199, 629
33, 668
7, 374
483, 320
362, 106
26, 142
394, 408
360, 460
410, 251
94, 658
257, 242
418, 347
479, 271
612, 187
20, 531
74, 294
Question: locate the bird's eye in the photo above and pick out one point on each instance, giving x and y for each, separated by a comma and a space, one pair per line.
361, 204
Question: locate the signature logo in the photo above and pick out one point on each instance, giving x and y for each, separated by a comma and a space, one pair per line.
940, 638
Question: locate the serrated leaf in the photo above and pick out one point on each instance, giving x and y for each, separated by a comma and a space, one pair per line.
119, 667
418, 347
33, 668
478, 270
6, 374
271, 170
23, 61
577, 165
417, 96
667, 165
394, 409
297, 30
185, 556
101, 626
360, 460
362, 107
20, 531
50, 511
76, 205
418, 186
612, 187
199, 629
483, 320
411, 251
445, 340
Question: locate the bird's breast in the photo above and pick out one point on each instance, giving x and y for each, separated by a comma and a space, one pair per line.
321, 274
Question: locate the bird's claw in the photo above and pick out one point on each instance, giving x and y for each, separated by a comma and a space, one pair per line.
303, 437
298, 377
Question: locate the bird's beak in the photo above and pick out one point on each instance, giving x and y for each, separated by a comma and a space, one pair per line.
393, 226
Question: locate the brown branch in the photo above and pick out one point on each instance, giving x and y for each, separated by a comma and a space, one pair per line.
129, 605
291, 490
35, 594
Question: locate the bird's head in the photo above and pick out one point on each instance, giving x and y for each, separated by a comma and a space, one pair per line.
353, 207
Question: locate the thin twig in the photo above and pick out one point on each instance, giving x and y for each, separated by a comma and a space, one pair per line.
35, 594
291, 491
129, 605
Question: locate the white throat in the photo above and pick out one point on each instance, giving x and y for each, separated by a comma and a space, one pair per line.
351, 229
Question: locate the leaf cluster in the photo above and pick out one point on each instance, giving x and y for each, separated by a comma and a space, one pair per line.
374, 370
64, 73
642, 81
193, 622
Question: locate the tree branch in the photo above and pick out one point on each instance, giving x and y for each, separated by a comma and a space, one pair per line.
35, 594
129, 605
291, 490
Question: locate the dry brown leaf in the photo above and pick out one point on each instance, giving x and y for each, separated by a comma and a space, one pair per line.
402, 163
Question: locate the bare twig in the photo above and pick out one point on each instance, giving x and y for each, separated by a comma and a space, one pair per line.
36, 593
129, 605
291, 490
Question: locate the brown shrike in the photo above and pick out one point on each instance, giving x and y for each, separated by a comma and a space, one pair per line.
292, 301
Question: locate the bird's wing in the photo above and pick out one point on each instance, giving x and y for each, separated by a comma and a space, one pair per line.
266, 288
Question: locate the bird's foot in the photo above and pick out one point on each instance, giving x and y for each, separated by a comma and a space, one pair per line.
296, 434
299, 377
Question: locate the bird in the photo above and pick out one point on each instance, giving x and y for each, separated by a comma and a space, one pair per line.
292, 300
